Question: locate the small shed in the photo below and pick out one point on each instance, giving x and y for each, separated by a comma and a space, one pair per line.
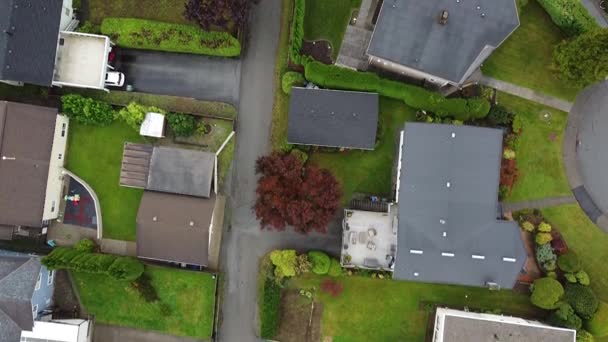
153, 125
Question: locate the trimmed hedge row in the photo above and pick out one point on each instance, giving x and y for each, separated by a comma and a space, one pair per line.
570, 15
86, 110
297, 32
269, 315
334, 77
155, 35
117, 267
291, 79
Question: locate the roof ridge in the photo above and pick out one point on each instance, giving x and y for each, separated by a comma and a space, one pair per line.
30, 260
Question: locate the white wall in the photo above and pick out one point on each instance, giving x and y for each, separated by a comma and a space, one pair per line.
67, 14
54, 183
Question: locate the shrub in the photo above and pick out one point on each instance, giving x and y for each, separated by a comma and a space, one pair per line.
320, 262
508, 154
546, 293
332, 287
86, 110
134, 114
549, 266
565, 317
518, 124
297, 32
269, 315
570, 15
528, 226
85, 246
284, 262
544, 227
543, 238
570, 277
584, 336
582, 299
500, 116
598, 325
335, 269
544, 253
88, 27
291, 79
552, 274
584, 59
182, 125
303, 265
155, 35
583, 278
301, 155
569, 262
334, 77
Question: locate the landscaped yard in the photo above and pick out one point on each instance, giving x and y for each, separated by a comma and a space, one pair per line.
370, 171
525, 58
185, 306
95, 155
539, 150
162, 10
327, 19
384, 310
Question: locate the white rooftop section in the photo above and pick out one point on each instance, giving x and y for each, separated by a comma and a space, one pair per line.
69, 330
82, 60
369, 239
54, 184
153, 125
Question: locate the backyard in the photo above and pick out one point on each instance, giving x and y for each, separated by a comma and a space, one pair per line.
162, 10
525, 58
185, 305
369, 172
401, 312
95, 155
539, 150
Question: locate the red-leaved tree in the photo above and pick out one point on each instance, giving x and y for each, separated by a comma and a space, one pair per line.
290, 194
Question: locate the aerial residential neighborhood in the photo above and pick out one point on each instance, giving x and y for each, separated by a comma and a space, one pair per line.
303, 170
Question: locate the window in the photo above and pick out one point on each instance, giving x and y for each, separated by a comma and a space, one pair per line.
60, 156
51, 277
35, 310
39, 281
63, 127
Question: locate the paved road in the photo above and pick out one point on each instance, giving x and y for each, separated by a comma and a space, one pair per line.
112, 333
596, 12
526, 93
200, 77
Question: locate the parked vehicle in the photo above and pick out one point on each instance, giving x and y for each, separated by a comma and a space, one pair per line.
115, 79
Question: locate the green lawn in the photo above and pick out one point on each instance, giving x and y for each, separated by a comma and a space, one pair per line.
162, 10
327, 19
539, 150
525, 58
280, 106
95, 155
370, 171
385, 310
185, 307
587, 240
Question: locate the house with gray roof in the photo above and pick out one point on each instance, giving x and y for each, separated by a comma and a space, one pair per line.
332, 118
447, 226
438, 41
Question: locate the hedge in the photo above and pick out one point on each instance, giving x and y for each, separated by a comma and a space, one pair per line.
570, 15
291, 79
269, 314
546, 293
86, 110
320, 262
334, 77
582, 299
155, 35
297, 32
134, 114
117, 267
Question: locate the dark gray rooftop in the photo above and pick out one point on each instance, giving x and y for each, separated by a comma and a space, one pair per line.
181, 171
408, 33
29, 30
332, 118
465, 210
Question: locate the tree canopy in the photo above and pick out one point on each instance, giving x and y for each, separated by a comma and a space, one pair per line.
583, 60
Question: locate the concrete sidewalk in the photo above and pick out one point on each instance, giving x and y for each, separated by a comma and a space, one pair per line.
527, 93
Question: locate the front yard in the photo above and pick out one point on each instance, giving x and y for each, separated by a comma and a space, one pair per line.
170, 11
185, 305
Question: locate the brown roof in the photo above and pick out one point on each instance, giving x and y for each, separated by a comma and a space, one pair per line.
26, 139
174, 227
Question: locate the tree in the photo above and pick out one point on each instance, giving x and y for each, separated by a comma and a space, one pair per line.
86, 110
320, 262
289, 194
182, 125
583, 300
583, 60
284, 262
227, 15
569, 262
546, 293
565, 317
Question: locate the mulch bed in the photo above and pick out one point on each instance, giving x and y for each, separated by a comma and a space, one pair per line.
319, 50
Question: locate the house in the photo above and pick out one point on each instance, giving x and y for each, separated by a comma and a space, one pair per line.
33, 143
176, 215
26, 301
444, 215
38, 46
463, 326
440, 42
332, 118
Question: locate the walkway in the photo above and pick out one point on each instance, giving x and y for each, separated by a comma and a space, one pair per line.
118, 247
594, 9
527, 93
538, 204
356, 38
113, 333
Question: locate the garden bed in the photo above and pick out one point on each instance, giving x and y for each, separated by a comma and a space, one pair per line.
320, 50
295, 318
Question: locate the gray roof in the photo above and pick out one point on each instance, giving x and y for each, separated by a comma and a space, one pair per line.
466, 210
181, 171
27, 51
18, 276
332, 118
408, 33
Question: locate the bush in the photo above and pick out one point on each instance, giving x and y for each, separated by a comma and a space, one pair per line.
570, 277
584, 59
508, 154
565, 317
269, 315
546, 293
583, 278
88, 27
335, 269
544, 254
569, 262
500, 116
320, 262
301, 155
334, 77
85, 246
284, 262
332, 287
543, 238
155, 35
134, 114
582, 299
544, 227
303, 265
528, 226
584, 336
86, 110
550, 266
598, 325
291, 79
182, 125
297, 32
552, 274
570, 15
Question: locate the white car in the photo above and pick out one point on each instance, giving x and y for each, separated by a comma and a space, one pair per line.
115, 79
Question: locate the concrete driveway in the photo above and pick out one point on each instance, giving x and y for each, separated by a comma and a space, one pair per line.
196, 76
112, 333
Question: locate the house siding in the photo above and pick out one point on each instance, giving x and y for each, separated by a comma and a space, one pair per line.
43, 297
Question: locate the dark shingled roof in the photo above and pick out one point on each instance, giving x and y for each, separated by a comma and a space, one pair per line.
29, 45
465, 210
408, 33
26, 134
332, 118
164, 230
